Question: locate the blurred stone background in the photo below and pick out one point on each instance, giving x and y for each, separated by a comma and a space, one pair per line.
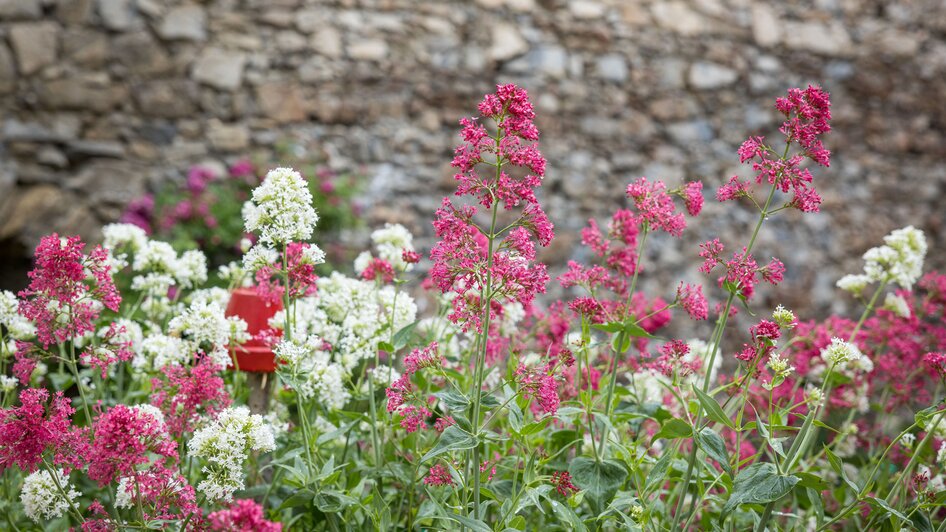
102, 99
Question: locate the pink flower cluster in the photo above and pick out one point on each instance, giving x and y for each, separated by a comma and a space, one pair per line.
59, 300
656, 207
807, 113
540, 383
402, 394
34, 428
244, 515
764, 335
185, 393
462, 256
270, 279
125, 438
438, 476
742, 271
562, 480
112, 350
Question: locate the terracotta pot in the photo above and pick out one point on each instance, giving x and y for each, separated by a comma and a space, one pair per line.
254, 355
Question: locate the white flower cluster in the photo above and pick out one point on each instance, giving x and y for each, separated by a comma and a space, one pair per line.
225, 444
351, 315
281, 209
390, 242
16, 325
311, 372
203, 325
846, 357
42, 499
897, 304
899, 261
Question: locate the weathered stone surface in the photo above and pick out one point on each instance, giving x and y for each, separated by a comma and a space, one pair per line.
679, 17
327, 41
167, 99
227, 137
828, 39
7, 70
81, 93
221, 69
507, 42
706, 75
187, 22
87, 48
36, 45
766, 27
368, 50
118, 15
613, 67
20, 9
281, 101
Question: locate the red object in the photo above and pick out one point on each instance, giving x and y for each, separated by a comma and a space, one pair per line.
254, 355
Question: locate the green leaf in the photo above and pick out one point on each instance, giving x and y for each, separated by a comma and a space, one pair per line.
473, 524
453, 439
610, 327
712, 408
811, 481
884, 506
535, 427
402, 337
674, 428
838, 468
633, 329
299, 499
757, 484
714, 446
386, 347
566, 515
600, 480
658, 472
454, 400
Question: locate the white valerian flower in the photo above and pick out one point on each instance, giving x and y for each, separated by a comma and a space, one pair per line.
120, 240
781, 369
840, 353
224, 445
855, 284
158, 351
124, 493
204, 326
17, 326
156, 256
258, 257
941, 453
310, 371
215, 294
128, 332
152, 411
391, 242
232, 273
813, 395
42, 499
908, 440
899, 261
191, 269
783, 317
280, 210
7, 383
897, 304
362, 261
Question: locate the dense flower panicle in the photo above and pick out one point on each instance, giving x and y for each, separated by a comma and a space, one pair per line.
462, 254
692, 300
58, 299
43, 499
693, 196
281, 209
187, 393
243, 515
114, 348
163, 493
301, 260
809, 114
936, 363
438, 476
541, 384
307, 367
224, 445
710, 252
656, 206
125, 438
562, 480
899, 260
28, 431
378, 269
418, 359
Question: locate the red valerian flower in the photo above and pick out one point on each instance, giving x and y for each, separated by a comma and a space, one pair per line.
28, 431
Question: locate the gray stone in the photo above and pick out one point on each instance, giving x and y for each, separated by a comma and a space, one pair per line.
86, 48
613, 67
828, 39
219, 68
188, 22
73, 11
50, 156
139, 53
691, 132
766, 27
507, 42
550, 60
368, 49
328, 42
281, 101
82, 93
166, 99
704, 75
227, 137
20, 9
679, 17
290, 41
118, 15
586, 9
36, 45
7, 70
95, 148
14, 130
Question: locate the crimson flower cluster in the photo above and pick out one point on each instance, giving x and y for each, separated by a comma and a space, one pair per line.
270, 284
742, 271
462, 258
243, 514
39, 425
402, 394
59, 299
185, 393
807, 113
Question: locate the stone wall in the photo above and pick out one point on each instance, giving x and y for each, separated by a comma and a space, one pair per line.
100, 99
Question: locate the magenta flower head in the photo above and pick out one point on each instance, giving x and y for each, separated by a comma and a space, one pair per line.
65, 289
808, 115
33, 429
512, 168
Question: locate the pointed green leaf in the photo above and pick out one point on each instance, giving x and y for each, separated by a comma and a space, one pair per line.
714, 447
757, 484
674, 428
712, 408
600, 480
453, 439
